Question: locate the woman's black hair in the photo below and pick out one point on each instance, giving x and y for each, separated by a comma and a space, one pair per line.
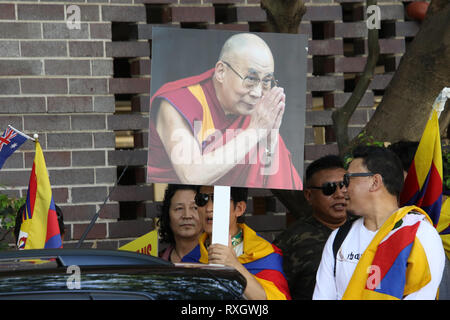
165, 232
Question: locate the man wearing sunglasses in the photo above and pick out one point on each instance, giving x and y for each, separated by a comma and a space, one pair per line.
254, 257
221, 127
302, 243
390, 252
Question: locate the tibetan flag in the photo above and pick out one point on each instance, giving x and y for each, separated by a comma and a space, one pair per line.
39, 227
10, 141
423, 184
261, 258
443, 226
394, 264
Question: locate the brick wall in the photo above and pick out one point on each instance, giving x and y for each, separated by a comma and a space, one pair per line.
85, 92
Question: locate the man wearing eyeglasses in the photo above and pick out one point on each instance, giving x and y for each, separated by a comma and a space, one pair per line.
221, 127
302, 243
390, 252
254, 257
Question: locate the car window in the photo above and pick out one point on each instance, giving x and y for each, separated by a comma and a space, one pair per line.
155, 286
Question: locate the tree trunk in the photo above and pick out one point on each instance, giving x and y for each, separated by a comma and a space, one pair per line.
423, 72
284, 16
444, 121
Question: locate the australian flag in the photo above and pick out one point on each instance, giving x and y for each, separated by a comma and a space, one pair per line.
10, 141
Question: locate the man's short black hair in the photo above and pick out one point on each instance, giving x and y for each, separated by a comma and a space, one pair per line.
384, 162
327, 162
239, 194
406, 151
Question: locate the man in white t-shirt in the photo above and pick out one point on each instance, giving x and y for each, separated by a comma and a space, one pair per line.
394, 236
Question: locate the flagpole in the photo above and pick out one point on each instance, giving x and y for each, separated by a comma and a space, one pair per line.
439, 103
23, 134
97, 214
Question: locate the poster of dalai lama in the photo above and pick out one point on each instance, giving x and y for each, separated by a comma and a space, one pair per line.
227, 108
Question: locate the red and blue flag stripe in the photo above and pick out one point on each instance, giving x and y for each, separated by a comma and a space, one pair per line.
391, 259
270, 268
40, 227
423, 184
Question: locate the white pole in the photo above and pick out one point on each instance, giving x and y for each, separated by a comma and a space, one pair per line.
221, 215
23, 134
439, 103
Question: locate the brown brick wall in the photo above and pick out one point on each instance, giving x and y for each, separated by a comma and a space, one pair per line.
84, 90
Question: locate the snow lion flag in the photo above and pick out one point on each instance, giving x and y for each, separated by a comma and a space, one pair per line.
423, 184
39, 227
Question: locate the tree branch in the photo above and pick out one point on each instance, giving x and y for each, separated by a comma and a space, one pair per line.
341, 117
435, 6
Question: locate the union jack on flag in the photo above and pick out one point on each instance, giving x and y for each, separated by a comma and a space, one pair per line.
10, 141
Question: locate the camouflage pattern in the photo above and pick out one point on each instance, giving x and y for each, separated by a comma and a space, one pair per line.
302, 245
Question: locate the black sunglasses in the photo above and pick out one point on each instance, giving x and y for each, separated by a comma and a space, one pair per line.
328, 188
201, 199
347, 176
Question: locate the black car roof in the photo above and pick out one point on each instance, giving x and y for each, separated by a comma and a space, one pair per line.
86, 257
37, 273
20, 260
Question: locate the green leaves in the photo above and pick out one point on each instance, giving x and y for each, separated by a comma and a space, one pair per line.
8, 210
446, 168
361, 139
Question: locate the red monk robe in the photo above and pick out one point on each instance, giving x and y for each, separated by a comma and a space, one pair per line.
184, 96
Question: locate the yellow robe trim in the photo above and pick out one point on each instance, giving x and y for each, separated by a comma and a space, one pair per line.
208, 127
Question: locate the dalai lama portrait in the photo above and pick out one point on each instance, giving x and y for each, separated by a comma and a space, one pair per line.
222, 126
